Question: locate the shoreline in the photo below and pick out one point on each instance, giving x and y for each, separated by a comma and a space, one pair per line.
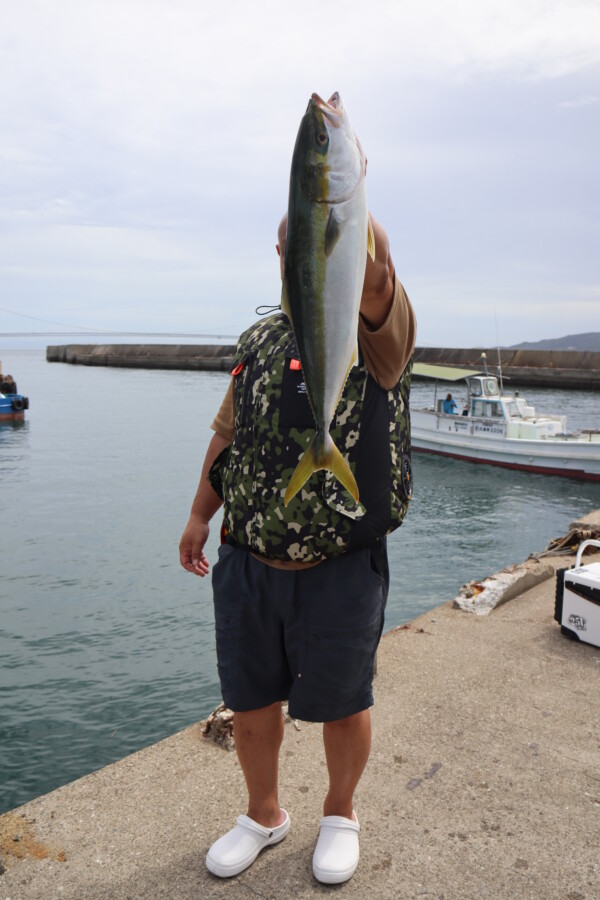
481, 783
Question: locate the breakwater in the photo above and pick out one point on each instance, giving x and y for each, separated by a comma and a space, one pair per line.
204, 357
573, 369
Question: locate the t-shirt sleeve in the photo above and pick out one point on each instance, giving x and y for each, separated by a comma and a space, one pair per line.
224, 421
387, 349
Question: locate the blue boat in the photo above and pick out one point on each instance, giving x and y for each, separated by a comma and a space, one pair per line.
12, 404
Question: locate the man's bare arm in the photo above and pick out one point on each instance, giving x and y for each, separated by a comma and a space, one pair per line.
205, 505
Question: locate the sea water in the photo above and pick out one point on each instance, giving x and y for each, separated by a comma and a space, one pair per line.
106, 643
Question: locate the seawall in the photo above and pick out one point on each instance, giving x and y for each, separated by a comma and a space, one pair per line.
574, 369
530, 368
205, 357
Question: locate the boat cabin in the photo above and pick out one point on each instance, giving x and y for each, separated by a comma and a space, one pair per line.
484, 397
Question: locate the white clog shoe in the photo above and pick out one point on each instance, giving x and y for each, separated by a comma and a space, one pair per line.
238, 849
336, 855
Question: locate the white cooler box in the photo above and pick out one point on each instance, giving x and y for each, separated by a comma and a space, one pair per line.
577, 605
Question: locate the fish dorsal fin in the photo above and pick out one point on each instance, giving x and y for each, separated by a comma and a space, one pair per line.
370, 240
332, 233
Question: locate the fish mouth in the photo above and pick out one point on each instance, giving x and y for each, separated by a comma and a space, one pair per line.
332, 109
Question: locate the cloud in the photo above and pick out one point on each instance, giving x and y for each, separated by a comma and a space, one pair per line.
585, 100
145, 146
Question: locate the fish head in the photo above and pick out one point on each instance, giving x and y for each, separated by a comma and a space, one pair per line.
328, 161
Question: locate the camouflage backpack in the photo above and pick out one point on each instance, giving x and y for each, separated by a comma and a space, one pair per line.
273, 427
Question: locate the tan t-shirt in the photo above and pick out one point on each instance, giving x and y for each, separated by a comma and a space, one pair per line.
386, 352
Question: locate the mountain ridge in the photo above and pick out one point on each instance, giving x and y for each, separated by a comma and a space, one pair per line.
589, 340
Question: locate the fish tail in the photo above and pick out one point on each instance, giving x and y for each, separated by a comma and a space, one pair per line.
321, 454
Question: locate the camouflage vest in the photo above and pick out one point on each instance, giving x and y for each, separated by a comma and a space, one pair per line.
274, 425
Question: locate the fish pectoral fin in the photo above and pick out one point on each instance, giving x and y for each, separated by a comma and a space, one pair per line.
370, 240
328, 458
332, 232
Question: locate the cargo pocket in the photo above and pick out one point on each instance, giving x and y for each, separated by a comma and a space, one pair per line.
340, 667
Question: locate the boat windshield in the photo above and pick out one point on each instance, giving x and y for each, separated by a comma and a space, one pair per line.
487, 408
487, 387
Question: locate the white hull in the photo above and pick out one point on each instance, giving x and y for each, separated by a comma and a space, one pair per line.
485, 441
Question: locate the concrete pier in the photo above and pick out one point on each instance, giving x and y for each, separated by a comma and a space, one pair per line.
530, 368
484, 782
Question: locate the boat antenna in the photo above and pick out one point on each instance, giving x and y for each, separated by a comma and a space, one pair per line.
499, 357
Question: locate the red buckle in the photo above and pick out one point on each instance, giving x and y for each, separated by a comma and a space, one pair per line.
295, 365
237, 369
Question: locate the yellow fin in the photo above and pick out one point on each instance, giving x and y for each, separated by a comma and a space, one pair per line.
354, 359
370, 241
301, 474
332, 460
343, 473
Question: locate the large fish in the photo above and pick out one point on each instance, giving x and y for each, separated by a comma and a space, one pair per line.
328, 235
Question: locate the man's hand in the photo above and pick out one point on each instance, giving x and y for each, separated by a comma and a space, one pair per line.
191, 547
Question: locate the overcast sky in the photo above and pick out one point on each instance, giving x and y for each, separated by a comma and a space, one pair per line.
145, 148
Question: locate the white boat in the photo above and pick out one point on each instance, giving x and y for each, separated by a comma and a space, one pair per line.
502, 430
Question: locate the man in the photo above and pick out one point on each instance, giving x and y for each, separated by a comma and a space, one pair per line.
449, 405
300, 591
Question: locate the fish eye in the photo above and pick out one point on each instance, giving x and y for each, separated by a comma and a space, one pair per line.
322, 137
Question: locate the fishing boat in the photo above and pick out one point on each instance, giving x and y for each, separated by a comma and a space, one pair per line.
501, 429
12, 404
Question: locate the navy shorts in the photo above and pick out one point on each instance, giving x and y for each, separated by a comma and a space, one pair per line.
306, 636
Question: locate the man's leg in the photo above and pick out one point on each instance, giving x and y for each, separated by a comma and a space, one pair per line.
258, 736
347, 746
248, 598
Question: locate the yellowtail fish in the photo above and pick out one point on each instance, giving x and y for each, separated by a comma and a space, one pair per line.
328, 235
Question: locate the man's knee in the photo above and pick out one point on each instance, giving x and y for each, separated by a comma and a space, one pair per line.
349, 723
257, 719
